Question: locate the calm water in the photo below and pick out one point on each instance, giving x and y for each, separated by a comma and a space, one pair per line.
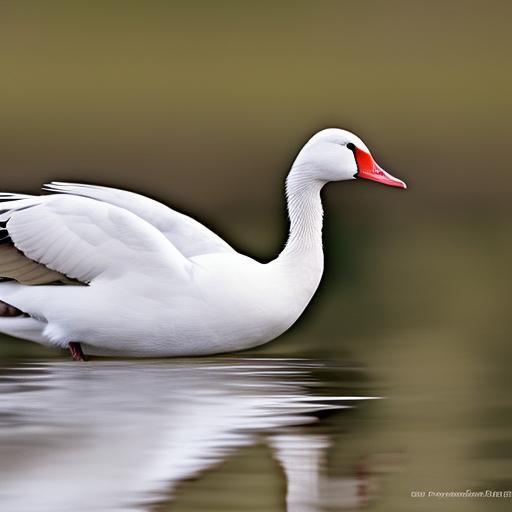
230, 434
142, 435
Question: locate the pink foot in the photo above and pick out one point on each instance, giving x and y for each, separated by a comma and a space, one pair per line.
76, 351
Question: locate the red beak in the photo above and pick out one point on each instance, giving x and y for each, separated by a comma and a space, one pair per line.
369, 169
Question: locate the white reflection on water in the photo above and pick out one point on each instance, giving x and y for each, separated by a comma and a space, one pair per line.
122, 435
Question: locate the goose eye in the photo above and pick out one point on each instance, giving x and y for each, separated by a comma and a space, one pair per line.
351, 146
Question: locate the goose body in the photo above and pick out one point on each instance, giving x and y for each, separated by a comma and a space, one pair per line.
122, 274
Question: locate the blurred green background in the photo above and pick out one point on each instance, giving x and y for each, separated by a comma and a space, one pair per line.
205, 104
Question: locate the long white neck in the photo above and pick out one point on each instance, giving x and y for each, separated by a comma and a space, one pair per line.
304, 244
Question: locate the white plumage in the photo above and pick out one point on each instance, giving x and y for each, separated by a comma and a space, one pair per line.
142, 279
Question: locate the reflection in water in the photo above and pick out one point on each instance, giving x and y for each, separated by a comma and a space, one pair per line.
122, 435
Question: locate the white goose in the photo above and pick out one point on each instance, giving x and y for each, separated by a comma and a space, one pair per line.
158, 283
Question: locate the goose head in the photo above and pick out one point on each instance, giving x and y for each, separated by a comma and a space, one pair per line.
336, 155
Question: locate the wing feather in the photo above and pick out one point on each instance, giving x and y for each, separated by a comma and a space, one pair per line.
190, 237
15, 265
83, 239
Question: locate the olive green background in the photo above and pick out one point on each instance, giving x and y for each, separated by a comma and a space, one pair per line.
204, 106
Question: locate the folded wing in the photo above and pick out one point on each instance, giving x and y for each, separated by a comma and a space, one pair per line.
85, 239
190, 237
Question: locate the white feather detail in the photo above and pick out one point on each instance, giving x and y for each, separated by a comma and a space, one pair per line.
189, 236
85, 239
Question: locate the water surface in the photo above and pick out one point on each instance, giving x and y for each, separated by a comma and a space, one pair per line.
116, 435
